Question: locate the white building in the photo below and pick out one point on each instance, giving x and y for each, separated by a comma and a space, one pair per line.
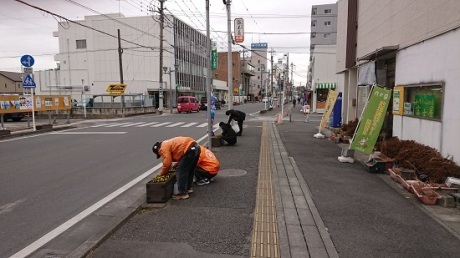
259, 58
323, 39
88, 59
412, 46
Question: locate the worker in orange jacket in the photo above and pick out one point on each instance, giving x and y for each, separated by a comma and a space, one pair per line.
207, 167
186, 152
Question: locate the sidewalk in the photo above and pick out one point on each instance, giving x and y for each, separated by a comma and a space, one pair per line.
280, 193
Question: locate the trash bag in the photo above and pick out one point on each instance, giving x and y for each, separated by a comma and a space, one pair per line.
235, 127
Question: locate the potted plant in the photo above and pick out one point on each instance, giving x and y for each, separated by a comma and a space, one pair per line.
160, 188
216, 140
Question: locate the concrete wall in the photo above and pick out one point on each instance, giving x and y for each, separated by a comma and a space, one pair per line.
403, 22
433, 60
342, 19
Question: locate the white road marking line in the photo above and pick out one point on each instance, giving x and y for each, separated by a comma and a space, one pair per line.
93, 126
71, 222
175, 124
189, 124
82, 215
132, 124
215, 126
158, 125
118, 124
152, 123
203, 125
9, 206
88, 133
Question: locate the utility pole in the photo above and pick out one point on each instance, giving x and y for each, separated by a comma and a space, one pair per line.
120, 51
271, 72
160, 90
229, 54
208, 76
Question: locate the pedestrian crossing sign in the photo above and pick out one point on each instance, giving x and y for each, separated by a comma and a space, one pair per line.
28, 82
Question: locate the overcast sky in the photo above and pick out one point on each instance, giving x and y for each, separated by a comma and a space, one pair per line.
25, 30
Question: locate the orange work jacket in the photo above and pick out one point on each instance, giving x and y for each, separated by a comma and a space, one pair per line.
172, 150
208, 161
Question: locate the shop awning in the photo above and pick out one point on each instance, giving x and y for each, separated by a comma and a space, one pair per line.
328, 85
379, 53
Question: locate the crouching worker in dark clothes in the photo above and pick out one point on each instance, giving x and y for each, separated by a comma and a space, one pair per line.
207, 167
186, 152
238, 116
228, 134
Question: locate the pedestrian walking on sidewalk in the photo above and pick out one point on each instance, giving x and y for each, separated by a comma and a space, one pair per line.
207, 168
238, 116
186, 152
293, 102
228, 134
306, 112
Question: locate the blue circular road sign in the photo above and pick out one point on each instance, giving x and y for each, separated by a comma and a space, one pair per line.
27, 60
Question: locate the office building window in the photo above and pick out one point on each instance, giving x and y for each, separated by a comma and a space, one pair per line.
313, 11
327, 35
313, 23
328, 11
81, 43
327, 23
313, 35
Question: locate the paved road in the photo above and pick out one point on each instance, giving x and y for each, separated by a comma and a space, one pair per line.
49, 179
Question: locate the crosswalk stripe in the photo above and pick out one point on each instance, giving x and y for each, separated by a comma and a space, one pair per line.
147, 124
189, 124
202, 125
158, 125
175, 124
215, 126
132, 124
98, 125
113, 125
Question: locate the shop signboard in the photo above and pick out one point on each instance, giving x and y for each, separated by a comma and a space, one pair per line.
424, 105
371, 121
398, 100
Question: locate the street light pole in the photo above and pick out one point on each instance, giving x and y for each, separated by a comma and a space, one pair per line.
160, 92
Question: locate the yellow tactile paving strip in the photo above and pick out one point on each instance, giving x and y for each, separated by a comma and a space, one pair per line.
265, 230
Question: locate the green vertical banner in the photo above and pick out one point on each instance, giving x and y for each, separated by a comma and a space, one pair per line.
214, 59
371, 120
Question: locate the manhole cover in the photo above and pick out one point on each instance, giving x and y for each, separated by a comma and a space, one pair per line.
232, 172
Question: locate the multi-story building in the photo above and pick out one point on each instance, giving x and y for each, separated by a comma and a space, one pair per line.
259, 58
10, 83
410, 47
323, 38
89, 60
222, 72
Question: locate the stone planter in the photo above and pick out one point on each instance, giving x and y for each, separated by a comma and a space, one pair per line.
160, 192
216, 141
5, 133
44, 127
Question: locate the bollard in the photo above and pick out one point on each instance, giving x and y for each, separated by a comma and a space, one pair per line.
290, 116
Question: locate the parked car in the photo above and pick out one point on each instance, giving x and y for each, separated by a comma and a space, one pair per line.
187, 104
204, 104
16, 117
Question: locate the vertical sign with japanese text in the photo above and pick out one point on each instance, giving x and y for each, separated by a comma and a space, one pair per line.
371, 121
239, 30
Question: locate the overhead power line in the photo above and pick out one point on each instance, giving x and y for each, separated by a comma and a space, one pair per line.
83, 25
